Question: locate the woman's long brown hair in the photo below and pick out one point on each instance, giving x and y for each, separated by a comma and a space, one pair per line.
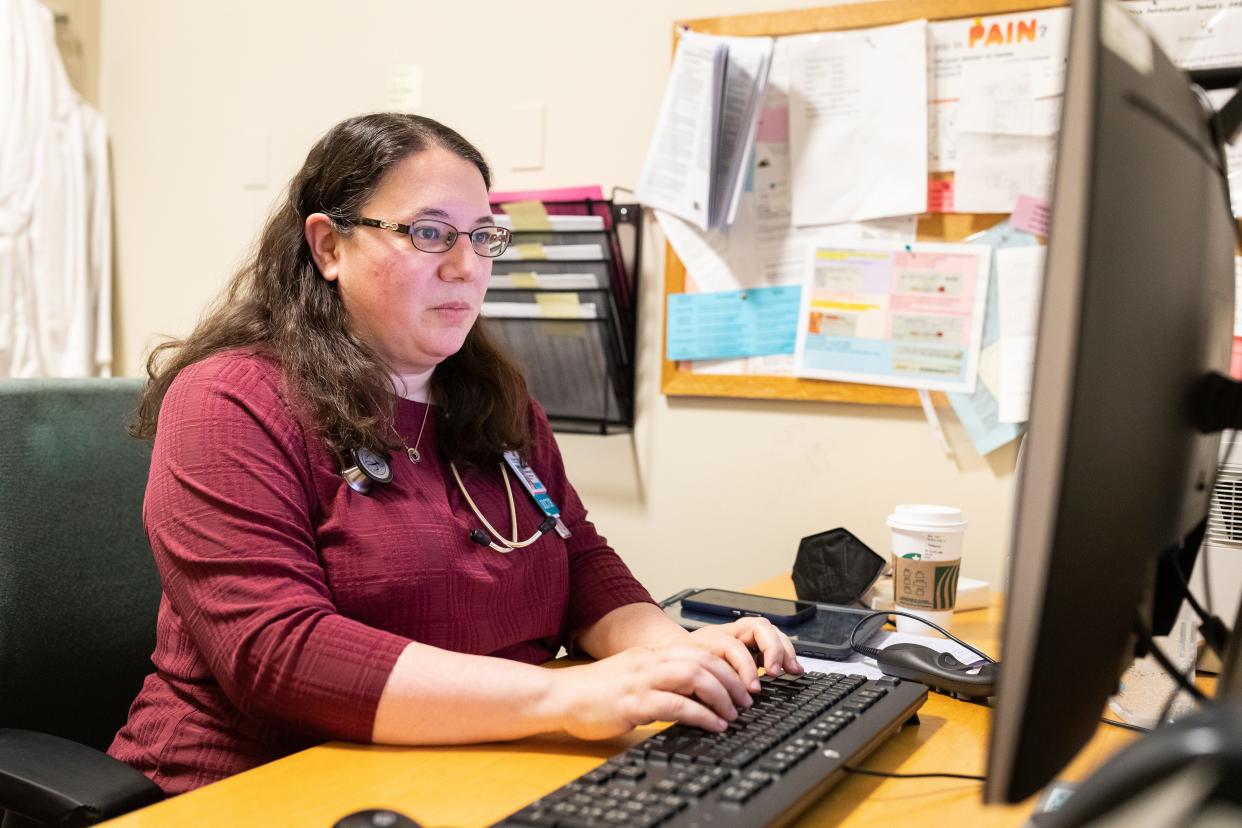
279, 304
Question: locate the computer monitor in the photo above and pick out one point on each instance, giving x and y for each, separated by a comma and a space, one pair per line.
1137, 306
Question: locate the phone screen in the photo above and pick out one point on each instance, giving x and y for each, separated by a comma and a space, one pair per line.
750, 603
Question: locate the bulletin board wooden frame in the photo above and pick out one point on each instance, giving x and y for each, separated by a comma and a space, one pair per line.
677, 380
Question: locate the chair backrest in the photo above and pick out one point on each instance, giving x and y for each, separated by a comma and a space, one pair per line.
79, 590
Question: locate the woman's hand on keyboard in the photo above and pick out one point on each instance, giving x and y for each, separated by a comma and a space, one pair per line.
733, 642
683, 683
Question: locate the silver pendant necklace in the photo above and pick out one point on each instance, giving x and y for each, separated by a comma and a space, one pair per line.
412, 453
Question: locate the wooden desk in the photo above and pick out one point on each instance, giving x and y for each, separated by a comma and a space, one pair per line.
480, 784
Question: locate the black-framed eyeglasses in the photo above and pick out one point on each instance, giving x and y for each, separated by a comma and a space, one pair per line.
432, 236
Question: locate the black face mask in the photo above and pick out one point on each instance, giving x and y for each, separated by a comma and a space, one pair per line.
834, 567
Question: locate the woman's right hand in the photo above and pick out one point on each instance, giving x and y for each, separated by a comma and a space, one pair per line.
647, 684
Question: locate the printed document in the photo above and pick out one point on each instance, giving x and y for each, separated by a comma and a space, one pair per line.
694, 167
909, 315
994, 170
1195, 35
1019, 278
1034, 41
858, 124
979, 413
677, 173
746, 74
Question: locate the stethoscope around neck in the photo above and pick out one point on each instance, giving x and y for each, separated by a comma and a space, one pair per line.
372, 467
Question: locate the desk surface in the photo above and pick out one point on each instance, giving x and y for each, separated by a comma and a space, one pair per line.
480, 784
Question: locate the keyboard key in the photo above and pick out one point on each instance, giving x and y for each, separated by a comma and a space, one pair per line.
695, 789
741, 759
631, 773
598, 776
674, 802
534, 816
772, 765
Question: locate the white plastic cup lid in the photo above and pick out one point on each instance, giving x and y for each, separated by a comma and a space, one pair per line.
921, 517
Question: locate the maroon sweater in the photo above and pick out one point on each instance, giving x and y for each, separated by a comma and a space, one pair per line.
288, 596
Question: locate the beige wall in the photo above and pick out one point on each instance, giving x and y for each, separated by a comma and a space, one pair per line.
203, 100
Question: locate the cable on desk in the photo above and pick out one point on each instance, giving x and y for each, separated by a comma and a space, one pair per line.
872, 652
888, 775
1126, 725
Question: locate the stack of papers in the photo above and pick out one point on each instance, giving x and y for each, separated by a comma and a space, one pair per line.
694, 167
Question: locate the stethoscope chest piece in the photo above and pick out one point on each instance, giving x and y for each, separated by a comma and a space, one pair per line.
368, 466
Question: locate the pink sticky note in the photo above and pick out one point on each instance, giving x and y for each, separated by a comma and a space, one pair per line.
939, 196
1235, 362
773, 125
1030, 215
554, 194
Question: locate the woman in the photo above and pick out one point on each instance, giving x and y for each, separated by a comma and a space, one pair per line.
297, 609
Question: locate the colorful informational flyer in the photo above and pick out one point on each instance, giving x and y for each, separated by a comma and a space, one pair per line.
887, 313
732, 324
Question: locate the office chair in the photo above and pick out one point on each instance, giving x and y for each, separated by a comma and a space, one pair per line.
79, 593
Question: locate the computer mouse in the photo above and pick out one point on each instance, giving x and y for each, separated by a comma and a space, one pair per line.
376, 818
937, 670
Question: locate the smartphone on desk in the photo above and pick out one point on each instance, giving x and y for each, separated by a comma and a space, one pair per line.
780, 611
824, 634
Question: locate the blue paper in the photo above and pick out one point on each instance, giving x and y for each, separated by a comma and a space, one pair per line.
733, 323
978, 411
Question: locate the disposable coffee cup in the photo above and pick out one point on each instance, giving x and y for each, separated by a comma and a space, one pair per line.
927, 560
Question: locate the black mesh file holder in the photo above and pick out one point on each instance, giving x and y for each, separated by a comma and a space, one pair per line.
564, 308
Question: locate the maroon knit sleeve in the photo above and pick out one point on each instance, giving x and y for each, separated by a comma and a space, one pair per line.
599, 581
228, 512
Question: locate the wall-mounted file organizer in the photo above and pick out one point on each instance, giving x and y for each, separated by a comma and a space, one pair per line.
563, 302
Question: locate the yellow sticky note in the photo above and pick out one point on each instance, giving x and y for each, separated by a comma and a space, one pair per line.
531, 250
525, 279
569, 330
832, 304
559, 305
527, 215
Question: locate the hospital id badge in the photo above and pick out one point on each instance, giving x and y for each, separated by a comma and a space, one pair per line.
538, 491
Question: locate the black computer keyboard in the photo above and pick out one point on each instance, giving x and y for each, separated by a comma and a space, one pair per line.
771, 764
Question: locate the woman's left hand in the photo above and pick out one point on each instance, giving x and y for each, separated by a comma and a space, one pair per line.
733, 641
